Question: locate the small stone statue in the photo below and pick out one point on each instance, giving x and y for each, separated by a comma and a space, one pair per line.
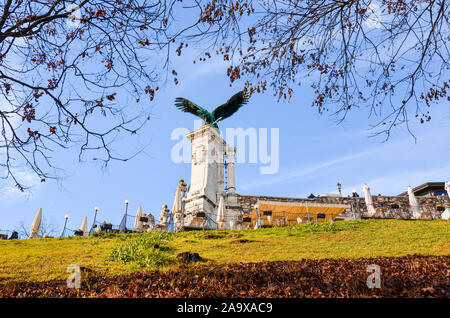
178, 222
164, 215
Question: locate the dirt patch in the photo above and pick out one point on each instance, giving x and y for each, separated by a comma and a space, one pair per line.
85, 269
213, 236
242, 241
188, 257
220, 235
409, 276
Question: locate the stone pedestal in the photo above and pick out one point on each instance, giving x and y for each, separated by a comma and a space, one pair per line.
207, 178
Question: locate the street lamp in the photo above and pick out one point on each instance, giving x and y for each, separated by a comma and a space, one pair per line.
307, 211
339, 187
95, 219
65, 223
355, 195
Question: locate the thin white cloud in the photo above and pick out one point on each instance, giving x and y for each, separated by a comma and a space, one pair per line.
306, 171
10, 193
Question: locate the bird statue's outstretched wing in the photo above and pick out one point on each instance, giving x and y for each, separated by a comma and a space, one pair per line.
189, 107
231, 106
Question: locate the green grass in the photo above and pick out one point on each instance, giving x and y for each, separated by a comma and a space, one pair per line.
47, 259
149, 250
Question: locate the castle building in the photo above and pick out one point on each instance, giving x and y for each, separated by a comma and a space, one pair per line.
213, 178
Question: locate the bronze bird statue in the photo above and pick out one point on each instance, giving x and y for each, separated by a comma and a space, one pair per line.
220, 113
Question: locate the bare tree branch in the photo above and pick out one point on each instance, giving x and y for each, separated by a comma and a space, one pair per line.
65, 71
390, 57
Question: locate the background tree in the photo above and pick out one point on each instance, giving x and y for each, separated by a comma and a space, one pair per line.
390, 57
47, 229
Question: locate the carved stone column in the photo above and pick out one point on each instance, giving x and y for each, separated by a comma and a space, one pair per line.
231, 152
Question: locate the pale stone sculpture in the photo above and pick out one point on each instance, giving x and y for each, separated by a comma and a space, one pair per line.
178, 206
369, 202
178, 222
164, 215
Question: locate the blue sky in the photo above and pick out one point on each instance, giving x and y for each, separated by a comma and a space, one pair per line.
315, 154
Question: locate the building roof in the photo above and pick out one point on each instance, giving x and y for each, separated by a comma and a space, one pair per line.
426, 186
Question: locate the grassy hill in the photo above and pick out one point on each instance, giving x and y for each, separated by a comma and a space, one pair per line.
47, 259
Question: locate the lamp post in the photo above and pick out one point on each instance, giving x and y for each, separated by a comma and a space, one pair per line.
355, 195
307, 211
95, 219
339, 187
65, 223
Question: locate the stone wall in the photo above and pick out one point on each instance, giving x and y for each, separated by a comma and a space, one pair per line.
382, 204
